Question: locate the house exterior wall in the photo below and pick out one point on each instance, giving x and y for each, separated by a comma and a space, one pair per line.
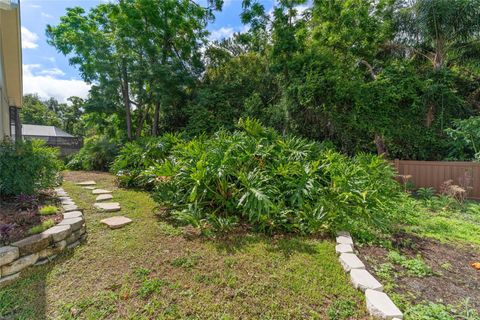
11, 90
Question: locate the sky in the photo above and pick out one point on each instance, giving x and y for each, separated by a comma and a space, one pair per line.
48, 73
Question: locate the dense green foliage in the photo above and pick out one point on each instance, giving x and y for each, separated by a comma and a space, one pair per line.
66, 116
26, 167
136, 157
270, 182
97, 153
386, 76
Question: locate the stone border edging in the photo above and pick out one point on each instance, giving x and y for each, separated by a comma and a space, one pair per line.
41, 248
379, 305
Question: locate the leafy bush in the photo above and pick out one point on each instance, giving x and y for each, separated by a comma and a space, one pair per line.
425, 193
274, 183
97, 153
48, 210
137, 156
26, 167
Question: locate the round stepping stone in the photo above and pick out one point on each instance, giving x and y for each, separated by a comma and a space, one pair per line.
363, 280
67, 202
108, 206
381, 306
116, 222
89, 188
87, 183
101, 191
70, 207
104, 197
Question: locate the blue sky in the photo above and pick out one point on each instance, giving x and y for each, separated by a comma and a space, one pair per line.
49, 74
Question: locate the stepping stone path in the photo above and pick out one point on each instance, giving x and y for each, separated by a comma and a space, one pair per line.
101, 191
87, 183
108, 206
116, 222
104, 197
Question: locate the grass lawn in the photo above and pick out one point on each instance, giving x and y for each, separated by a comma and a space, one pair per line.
152, 269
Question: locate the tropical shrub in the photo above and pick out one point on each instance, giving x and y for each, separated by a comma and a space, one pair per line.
97, 153
137, 156
274, 183
26, 167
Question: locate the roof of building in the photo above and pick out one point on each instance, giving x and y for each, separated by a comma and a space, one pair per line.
43, 131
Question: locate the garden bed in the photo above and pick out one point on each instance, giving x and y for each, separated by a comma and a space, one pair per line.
428, 267
451, 279
22, 215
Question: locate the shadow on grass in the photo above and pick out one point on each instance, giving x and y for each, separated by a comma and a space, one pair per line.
286, 245
26, 297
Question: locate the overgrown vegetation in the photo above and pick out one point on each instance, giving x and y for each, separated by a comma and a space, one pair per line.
27, 167
270, 182
97, 153
389, 76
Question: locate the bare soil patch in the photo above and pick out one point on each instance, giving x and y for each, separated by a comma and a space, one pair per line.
454, 278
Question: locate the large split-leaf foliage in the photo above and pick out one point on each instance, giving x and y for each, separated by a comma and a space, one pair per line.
260, 179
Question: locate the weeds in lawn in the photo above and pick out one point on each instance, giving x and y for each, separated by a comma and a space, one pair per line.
151, 286
414, 267
141, 273
386, 272
341, 309
186, 262
436, 311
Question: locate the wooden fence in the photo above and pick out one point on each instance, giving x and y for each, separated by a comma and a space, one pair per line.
434, 173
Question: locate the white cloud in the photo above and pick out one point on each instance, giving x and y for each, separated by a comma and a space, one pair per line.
51, 72
29, 39
46, 84
221, 33
46, 15
51, 59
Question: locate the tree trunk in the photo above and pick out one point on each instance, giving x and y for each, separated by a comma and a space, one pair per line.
141, 121
126, 101
156, 119
380, 145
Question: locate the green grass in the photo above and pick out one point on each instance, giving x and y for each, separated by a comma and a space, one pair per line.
41, 227
447, 221
154, 270
48, 210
